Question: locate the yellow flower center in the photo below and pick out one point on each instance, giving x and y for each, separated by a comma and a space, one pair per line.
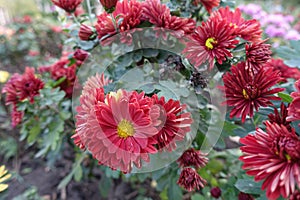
125, 129
233, 25
4, 75
246, 96
288, 157
209, 43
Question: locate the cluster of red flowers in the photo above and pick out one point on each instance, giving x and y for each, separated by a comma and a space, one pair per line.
122, 128
65, 69
189, 178
218, 35
19, 88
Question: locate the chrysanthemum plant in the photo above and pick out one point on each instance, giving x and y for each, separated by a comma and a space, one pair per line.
157, 93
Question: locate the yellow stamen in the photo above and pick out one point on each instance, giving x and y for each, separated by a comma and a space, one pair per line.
125, 129
209, 43
233, 25
288, 157
246, 96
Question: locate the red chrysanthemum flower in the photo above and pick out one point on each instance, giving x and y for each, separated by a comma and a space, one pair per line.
244, 196
171, 122
257, 54
67, 5
293, 109
80, 56
127, 15
192, 157
280, 118
159, 14
210, 41
273, 156
10, 89
190, 180
295, 195
29, 85
86, 32
286, 71
108, 4
20, 87
247, 29
208, 4
245, 91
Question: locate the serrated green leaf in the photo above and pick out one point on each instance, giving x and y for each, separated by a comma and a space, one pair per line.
33, 133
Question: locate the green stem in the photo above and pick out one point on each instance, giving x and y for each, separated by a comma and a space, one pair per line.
75, 19
88, 3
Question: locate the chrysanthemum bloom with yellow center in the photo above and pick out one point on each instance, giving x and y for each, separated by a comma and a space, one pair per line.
273, 156
171, 121
67, 5
245, 91
247, 29
4, 176
212, 40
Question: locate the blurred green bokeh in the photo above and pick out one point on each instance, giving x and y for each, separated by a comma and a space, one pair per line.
19, 7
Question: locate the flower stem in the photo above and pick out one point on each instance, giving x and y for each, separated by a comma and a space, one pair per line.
88, 3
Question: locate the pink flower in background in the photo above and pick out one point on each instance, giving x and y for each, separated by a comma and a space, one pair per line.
172, 123
190, 180
212, 40
274, 157
245, 92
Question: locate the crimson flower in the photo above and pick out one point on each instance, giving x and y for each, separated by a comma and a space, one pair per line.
10, 89
190, 180
286, 71
80, 56
16, 116
108, 4
159, 14
67, 5
295, 195
208, 4
245, 91
293, 109
247, 29
257, 54
86, 32
192, 157
212, 40
244, 196
273, 156
171, 122
280, 118
216, 192
127, 15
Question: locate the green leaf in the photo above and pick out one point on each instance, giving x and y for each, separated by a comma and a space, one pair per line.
33, 133
78, 173
174, 191
198, 197
105, 185
248, 186
285, 97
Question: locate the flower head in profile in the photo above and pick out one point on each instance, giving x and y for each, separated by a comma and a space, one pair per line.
212, 40
274, 157
190, 180
245, 196
208, 4
171, 121
192, 157
286, 71
4, 176
67, 5
108, 4
86, 32
257, 54
245, 91
216, 192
